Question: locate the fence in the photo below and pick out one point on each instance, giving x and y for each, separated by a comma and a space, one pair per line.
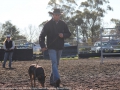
19, 54
107, 45
21, 51
27, 51
70, 51
115, 47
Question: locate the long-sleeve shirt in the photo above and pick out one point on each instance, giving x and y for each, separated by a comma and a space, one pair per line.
52, 30
13, 45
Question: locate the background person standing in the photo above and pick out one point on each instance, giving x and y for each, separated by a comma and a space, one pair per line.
8, 46
56, 31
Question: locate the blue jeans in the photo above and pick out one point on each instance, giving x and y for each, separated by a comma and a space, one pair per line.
6, 56
55, 57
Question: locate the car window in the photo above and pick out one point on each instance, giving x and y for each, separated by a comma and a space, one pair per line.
103, 44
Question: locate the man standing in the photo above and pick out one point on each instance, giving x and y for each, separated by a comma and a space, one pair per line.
8, 46
56, 31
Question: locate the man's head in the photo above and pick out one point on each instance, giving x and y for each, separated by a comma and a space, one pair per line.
56, 14
8, 37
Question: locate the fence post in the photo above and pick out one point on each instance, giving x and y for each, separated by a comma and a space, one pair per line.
101, 45
77, 41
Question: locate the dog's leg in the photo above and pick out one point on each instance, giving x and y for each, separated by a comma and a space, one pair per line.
34, 76
31, 79
34, 82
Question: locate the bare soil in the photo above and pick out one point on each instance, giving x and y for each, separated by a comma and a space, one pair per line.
82, 74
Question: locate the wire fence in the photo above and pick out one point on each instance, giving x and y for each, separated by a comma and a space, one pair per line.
110, 38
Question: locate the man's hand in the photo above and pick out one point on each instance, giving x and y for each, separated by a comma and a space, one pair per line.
43, 49
61, 35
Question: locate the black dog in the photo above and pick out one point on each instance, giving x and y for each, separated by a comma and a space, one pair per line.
36, 71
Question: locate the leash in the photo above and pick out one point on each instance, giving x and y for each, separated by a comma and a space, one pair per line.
48, 46
53, 41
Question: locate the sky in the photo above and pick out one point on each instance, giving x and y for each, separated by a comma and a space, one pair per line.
23, 13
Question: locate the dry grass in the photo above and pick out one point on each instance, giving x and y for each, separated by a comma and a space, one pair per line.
82, 74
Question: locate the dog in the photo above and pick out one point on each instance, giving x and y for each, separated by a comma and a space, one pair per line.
36, 71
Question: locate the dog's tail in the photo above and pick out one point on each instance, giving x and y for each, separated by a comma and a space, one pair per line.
36, 63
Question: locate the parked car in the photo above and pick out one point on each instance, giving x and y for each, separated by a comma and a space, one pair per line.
67, 44
114, 42
106, 47
37, 49
23, 46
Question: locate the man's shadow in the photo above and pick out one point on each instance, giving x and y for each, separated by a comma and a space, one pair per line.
10, 68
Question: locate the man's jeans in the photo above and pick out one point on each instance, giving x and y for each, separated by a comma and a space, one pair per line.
8, 55
55, 57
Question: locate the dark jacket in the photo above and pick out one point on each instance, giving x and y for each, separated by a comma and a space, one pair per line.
8, 44
52, 30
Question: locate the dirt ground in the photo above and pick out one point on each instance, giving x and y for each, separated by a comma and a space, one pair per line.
82, 74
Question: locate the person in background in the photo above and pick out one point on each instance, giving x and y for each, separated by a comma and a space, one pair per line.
8, 46
56, 31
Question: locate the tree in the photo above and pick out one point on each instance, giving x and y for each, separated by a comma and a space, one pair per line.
1, 32
87, 15
31, 33
116, 22
116, 31
92, 14
9, 28
43, 23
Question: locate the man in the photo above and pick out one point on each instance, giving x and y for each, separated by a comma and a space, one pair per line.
8, 46
56, 31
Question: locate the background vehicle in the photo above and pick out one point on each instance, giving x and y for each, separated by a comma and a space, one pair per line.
37, 49
106, 47
66, 45
114, 42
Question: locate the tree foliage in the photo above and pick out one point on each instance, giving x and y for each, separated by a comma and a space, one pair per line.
116, 31
9, 28
92, 14
86, 15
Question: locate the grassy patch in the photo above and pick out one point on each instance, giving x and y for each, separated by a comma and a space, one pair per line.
69, 58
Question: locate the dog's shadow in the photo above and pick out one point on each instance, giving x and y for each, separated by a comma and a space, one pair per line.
39, 89
61, 88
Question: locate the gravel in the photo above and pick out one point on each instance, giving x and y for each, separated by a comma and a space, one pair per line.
81, 74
